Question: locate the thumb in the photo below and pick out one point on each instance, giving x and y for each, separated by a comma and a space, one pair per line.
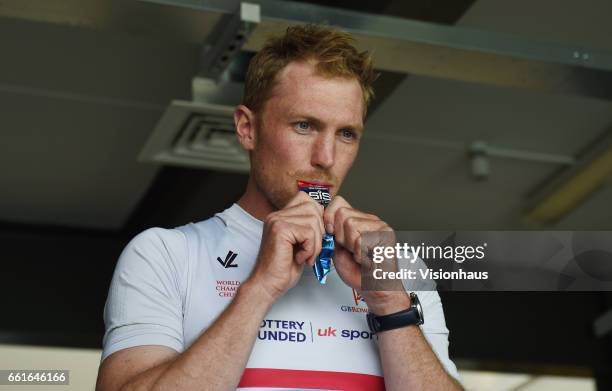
348, 270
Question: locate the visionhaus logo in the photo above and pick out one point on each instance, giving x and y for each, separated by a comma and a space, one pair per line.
229, 259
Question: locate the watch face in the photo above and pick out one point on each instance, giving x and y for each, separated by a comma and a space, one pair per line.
372, 323
417, 304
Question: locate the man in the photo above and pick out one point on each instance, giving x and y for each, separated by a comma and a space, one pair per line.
232, 301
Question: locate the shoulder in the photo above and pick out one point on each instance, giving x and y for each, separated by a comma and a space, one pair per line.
169, 247
207, 231
154, 249
158, 241
156, 236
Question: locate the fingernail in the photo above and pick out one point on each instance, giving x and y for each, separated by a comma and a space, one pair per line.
329, 228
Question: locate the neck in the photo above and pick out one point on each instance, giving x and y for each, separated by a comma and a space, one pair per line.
254, 202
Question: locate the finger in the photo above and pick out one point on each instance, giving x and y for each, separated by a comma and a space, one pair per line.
347, 268
332, 218
299, 198
305, 208
330, 211
306, 240
353, 228
340, 226
318, 247
313, 223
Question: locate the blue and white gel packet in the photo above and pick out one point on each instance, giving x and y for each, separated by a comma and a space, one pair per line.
323, 262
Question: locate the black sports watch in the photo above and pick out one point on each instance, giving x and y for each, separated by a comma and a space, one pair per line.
407, 317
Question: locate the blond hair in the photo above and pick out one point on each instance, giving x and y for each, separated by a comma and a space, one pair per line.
331, 51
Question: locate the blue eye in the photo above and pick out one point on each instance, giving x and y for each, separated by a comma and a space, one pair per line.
348, 134
302, 125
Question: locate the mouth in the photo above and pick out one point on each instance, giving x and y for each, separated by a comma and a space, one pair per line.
317, 182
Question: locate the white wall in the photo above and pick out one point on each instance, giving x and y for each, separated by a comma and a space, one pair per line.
82, 364
83, 367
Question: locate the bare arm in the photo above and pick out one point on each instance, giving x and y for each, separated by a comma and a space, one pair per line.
407, 359
216, 360
229, 340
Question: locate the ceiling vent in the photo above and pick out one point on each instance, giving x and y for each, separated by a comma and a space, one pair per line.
196, 135
201, 133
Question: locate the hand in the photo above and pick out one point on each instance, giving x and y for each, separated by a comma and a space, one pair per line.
292, 236
348, 225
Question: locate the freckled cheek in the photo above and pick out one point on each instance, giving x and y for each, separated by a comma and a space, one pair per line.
283, 158
292, 150
345, 162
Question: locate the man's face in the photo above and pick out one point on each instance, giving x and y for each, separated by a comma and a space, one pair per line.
309, 130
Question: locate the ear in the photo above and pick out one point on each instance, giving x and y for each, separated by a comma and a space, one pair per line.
244, 119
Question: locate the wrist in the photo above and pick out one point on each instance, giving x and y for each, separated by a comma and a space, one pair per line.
255, 289
387, 303
394, 319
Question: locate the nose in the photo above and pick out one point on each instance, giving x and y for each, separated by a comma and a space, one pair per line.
323, 150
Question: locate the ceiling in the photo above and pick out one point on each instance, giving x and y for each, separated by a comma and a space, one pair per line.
78, 105
82, 88
434, 185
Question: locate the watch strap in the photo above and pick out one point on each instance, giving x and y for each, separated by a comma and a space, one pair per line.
407, 317
396, 320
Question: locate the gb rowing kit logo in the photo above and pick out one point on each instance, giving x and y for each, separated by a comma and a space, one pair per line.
229, 260
360, 304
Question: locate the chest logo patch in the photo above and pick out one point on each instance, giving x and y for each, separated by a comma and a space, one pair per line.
229, 260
